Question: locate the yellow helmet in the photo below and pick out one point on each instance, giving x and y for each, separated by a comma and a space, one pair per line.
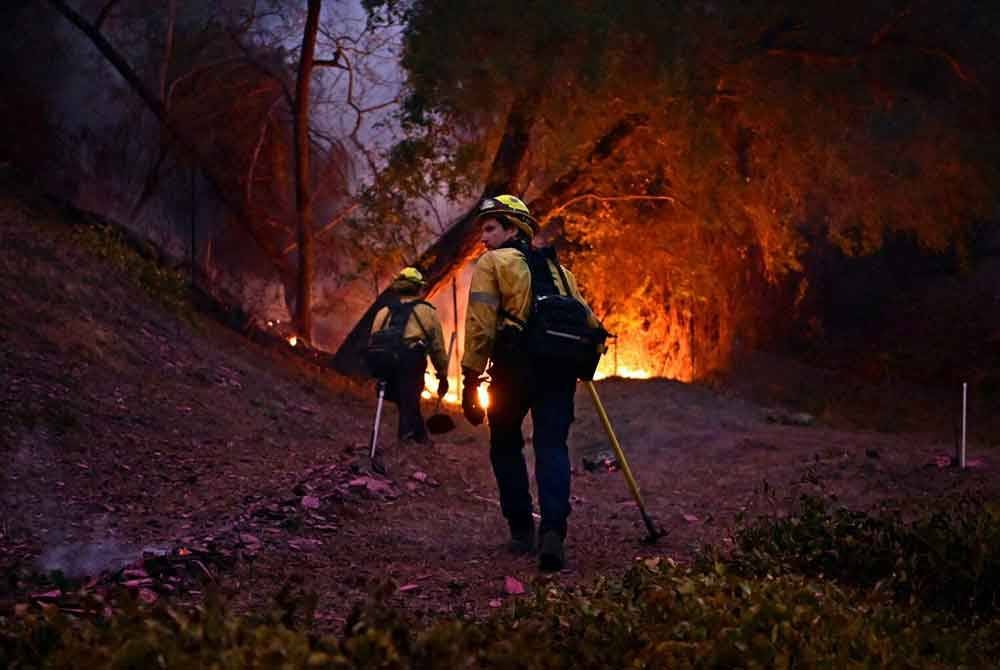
411, 274
511, 208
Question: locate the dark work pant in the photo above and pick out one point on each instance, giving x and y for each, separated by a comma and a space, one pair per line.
405, 389
514, 390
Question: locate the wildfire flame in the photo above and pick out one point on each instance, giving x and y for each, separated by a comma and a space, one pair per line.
604, 371
624, 371
292, 340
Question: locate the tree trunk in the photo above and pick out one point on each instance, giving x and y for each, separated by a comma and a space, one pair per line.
303, 184
458, 244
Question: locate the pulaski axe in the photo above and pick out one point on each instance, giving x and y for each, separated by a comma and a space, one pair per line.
654, 532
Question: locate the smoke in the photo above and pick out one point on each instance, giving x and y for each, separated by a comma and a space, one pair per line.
82, 559
35, 459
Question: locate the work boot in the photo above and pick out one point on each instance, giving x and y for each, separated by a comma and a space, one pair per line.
522, 538
551, 555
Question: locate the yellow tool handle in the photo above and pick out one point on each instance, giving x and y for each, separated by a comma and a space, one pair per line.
629, 478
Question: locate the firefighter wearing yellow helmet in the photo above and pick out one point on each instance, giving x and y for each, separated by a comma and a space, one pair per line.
500, 302
420, 336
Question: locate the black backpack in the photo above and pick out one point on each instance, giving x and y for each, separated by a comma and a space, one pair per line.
386, 347
558, 334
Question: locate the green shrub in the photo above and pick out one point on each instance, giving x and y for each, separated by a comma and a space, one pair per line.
948, 558
162, 283
658, 616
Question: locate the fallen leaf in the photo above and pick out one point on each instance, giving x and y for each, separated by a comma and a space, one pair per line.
513, 586
47, 595
147, 596
690, 518
496, 602
137, 583
408, 587
310, 502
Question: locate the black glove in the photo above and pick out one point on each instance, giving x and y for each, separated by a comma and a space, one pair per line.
442, 386
470, 398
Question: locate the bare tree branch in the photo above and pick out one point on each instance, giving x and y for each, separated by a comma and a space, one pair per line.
890, 26
331, 62
248, 191
168, 46
327, 227
157, 107
104, 13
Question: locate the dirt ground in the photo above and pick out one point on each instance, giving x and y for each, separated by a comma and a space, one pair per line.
128, 432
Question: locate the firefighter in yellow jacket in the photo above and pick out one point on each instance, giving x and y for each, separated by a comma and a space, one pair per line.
500, 302
421, 337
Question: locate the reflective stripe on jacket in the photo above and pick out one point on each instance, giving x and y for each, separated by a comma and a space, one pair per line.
413, 334
501, 280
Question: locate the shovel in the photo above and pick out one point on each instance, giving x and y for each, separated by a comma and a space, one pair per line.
654, 532
439, 422
376, 461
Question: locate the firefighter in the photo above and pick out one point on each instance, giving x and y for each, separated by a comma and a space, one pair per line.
421, 337
500, 301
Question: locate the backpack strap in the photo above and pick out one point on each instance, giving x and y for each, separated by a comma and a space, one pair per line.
542, 282
406, 309
395, 308
413, 312
550, 252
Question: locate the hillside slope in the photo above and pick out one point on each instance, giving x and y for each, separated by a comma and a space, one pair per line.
131, 427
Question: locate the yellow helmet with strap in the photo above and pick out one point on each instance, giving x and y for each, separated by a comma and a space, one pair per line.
512, 208
411, 274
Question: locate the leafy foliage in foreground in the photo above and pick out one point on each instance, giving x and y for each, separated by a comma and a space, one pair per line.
948, 559
658, 615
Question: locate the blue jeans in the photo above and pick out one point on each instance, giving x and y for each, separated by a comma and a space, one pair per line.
514, 390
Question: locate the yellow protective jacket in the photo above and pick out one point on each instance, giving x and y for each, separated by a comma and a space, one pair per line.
501, 280
413, 334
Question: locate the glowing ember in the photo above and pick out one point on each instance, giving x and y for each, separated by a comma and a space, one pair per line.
484, 396
293, 340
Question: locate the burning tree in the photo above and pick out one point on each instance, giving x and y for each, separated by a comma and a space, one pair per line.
762, 137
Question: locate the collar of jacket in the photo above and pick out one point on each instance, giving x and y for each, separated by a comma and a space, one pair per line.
526, 248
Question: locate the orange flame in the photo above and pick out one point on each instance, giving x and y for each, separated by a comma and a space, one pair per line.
293, 340
430, 389
451, 397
